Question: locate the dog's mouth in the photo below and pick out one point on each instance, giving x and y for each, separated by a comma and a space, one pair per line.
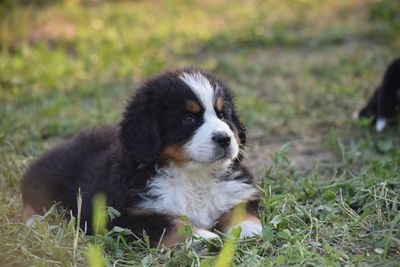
222, 154
213, 155
215, 158
218, 157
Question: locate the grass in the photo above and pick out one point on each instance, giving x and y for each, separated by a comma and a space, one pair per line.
299, 70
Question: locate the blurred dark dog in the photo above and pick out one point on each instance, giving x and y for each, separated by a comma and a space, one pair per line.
385, 102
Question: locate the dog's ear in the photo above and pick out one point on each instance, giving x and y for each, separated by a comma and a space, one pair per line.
229, 100
138, 131
240, 126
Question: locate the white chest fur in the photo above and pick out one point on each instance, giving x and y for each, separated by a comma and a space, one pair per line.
198, 195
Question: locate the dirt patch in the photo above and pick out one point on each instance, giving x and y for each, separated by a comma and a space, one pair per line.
304, 154
54, 29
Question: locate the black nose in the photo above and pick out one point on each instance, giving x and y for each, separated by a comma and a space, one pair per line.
222, 139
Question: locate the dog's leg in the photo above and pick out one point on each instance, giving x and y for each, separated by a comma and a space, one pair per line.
158, 226
28, 214
371, 109
250, 224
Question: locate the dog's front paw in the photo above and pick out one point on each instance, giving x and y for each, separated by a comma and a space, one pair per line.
204, 234
248, 229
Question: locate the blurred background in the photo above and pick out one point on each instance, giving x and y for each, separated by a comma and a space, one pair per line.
299, 69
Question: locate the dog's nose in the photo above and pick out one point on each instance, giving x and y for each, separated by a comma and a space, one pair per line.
222, 139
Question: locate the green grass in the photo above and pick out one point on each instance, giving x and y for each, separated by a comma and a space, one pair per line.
299, 69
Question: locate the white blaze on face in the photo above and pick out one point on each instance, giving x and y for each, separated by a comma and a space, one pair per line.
201, 147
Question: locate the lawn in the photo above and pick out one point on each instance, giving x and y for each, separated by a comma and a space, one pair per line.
299, 70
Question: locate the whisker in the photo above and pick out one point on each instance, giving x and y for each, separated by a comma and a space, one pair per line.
243, 154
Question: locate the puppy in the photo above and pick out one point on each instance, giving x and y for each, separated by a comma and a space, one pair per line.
384, 103
176, 152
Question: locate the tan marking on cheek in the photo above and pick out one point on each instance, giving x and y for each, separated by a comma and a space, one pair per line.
175, 154
192, 106
219, 103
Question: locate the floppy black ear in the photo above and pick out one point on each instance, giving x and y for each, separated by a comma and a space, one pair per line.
240, 126
139, 131
229, 99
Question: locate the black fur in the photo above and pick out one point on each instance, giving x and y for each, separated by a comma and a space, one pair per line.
118, 161
385, 101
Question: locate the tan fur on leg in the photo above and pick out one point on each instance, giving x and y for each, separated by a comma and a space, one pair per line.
27, 212
226, 221
172, 237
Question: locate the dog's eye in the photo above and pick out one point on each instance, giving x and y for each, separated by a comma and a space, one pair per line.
220, 115
189, 120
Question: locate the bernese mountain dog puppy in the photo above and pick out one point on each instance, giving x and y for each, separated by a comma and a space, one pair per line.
176, 153
385, 102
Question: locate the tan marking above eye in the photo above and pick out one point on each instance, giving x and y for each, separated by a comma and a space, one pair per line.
192, 106
219, 103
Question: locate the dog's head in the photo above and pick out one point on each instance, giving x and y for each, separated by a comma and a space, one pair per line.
182, 117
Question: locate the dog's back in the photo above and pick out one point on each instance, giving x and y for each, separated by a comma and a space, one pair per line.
59, 173
386, 99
